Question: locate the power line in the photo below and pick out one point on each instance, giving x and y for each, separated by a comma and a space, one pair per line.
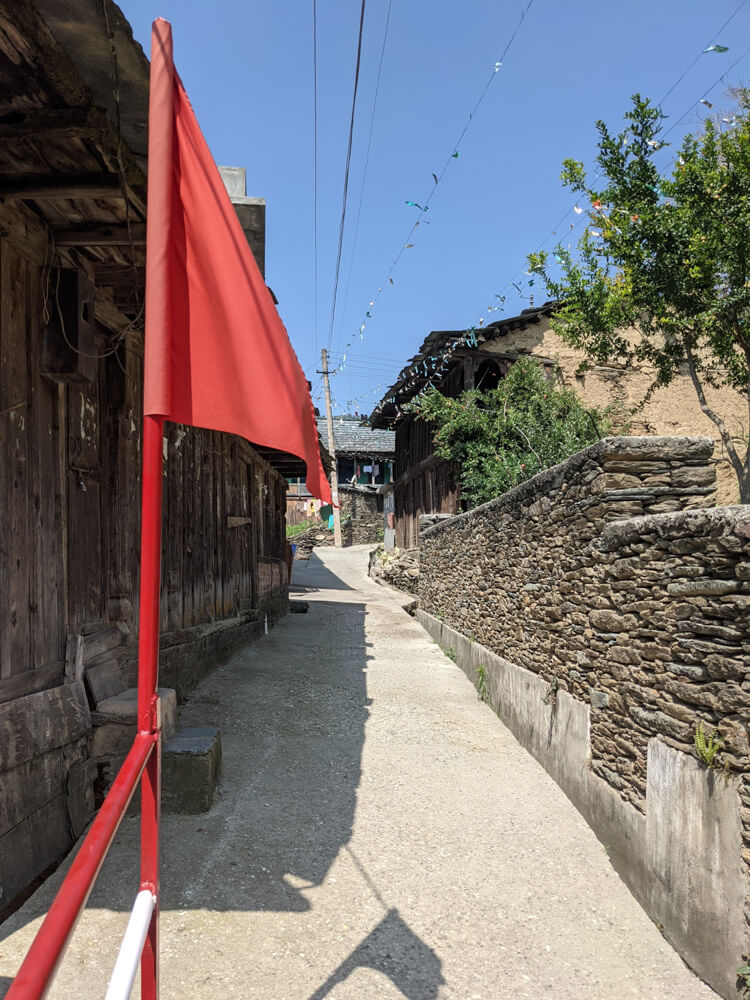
705, 93
315, 169
682, 76
452, 155
346, 172
568, 212
367, 160
679, 79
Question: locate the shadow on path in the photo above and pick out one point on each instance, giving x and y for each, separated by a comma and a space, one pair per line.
292, 711
393, 949
311, 575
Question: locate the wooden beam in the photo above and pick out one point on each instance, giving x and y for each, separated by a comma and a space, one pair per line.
107, 313
62, 123
60, 186
117, 276
100, 234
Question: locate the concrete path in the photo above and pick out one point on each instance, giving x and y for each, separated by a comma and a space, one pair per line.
379, 834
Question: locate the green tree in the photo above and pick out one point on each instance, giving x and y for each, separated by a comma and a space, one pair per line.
503, 436
665, 255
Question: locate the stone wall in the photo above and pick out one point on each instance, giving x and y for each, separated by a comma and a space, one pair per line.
397, 568
360, 509
604, 614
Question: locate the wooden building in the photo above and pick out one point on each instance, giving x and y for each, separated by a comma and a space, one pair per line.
456, 360
73, 147
423, 483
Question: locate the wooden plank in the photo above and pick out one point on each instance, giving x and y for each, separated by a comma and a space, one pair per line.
205, 519
172, 570
100, 642
86, 565
79, 795
60, 123
245, 552
253, 476
14, 494
186, 514
198, 541
34, 845
73, 657
46, 577
31, 681
101, 234
237, 522
60, 186
40, 722
220, 530
163, 582
30, 786
104, 680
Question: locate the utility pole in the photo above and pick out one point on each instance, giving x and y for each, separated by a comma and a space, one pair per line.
332, 452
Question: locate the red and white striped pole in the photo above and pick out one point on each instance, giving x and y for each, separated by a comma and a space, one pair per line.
149, 720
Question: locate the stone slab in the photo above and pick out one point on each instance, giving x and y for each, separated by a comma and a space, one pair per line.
191, 765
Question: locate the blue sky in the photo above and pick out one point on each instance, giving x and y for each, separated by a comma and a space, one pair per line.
248, 69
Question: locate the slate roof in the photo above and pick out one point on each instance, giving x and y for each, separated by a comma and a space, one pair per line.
351, 438
419, 370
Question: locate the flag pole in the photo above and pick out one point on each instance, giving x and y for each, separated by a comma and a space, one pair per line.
149, 716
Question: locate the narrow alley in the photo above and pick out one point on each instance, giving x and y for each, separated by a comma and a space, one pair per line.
377, 833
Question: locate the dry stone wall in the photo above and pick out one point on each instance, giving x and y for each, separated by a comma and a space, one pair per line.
360, 509
611, 579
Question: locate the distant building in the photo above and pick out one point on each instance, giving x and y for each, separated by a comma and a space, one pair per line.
363, 456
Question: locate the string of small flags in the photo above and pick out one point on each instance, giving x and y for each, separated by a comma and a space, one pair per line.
656, 144
424, 205
412, 372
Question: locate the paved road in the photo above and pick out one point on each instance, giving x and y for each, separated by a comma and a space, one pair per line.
379, 834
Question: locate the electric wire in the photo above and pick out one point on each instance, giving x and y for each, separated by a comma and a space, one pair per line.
346, 172
315, 170
453, 154
367, 160
569, 211
716, 34
679, 80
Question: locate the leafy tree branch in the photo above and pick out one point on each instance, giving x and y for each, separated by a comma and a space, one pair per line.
660, 275
506, 435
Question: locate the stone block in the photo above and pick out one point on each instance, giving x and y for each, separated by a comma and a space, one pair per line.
612, 622
191, 765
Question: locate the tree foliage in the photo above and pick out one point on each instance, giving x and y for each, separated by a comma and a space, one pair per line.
666, 255
506, 435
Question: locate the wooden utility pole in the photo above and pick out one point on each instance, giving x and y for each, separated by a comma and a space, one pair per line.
332, 452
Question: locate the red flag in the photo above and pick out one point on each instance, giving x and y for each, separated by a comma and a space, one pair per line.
217, 353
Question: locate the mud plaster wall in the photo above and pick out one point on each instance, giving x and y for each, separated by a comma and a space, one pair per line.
672, 410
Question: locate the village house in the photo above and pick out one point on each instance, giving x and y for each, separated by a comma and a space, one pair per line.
423, 483
364, 462
73, 149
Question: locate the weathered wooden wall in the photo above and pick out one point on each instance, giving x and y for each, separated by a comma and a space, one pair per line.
69, 555
425, 484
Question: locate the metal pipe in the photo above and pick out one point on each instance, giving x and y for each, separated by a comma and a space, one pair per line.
126, 966
35, 976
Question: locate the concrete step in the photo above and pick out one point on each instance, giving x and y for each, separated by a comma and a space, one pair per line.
191, 765
114, 720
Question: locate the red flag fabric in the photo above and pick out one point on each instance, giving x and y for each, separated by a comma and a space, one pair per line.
217, 353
